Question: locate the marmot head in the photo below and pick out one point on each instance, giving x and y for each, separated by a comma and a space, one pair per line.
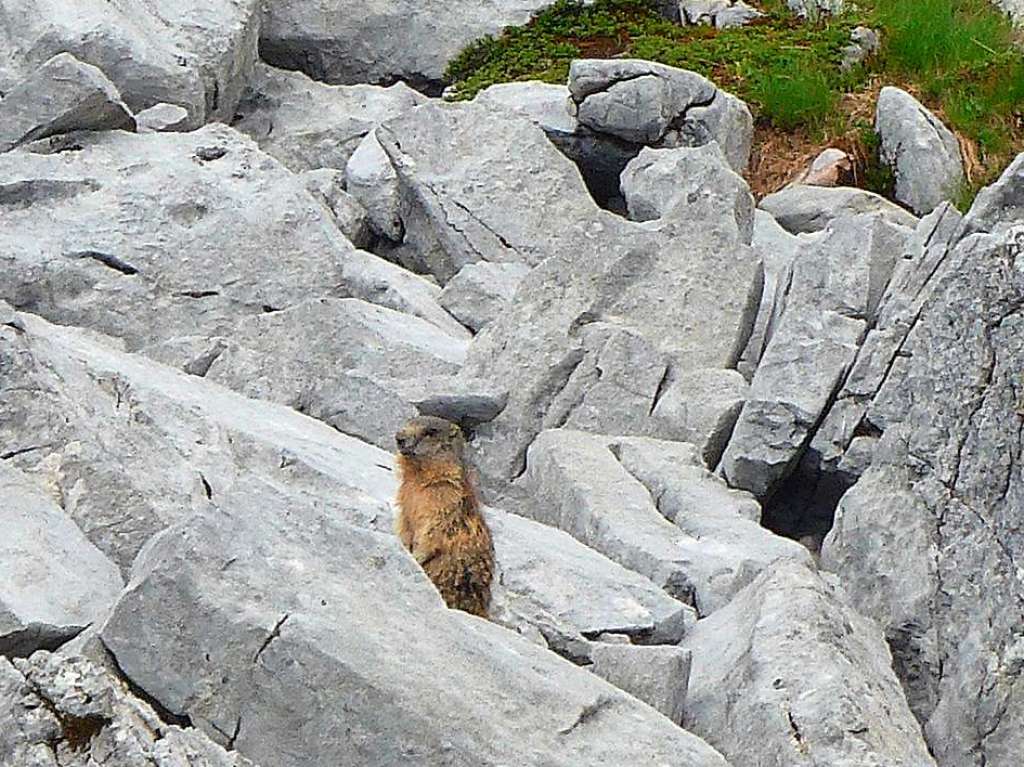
427, 438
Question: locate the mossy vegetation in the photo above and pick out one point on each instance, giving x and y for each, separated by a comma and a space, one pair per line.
961, 57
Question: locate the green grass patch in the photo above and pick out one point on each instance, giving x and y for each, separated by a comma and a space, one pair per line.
788, 69
962, 57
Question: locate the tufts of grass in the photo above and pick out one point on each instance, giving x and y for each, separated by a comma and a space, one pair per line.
961, 57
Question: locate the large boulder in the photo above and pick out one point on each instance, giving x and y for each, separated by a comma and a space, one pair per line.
643, 102
53, 581
788, 674
382, 41
923, 154
198, 55
169, 239
480, 292
298, 639
483, 185
62, 96
306, 124
69, 711
941, 503
836, 286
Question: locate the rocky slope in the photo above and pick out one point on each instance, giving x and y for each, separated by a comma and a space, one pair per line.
223, 285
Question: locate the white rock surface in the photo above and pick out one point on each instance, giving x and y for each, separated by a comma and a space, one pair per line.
62, 96
923, 154
53, 581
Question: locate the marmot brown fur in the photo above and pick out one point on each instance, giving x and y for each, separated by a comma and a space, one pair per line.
439, 517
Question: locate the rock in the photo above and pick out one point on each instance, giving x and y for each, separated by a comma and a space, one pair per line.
788, 674
777, 249
836, 286
801, 208
815, 9
196, 55
576, 482
652, 104
351, 364
382, 42
481, 291
600, 158
328, 185
804, 364
372, 181
721, 14
940, 505
1014, 8
380, 282
833, 167
545, 571
307, 124
545, 104
725, 521
53, 581
841, 448
864, 43
468, 403
923, 153
324, 606
462, 169
132, 446
71, 712
140, 254
62, 96
656, 675
658, 179
701, 407
999, 207
162, 117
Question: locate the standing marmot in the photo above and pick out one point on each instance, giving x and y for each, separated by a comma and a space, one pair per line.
439, 518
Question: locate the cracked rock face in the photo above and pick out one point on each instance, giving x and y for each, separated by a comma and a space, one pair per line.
940, 505
657, 105
922, 152
72, 713
334, 612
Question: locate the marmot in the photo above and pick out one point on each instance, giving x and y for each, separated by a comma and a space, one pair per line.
439, 517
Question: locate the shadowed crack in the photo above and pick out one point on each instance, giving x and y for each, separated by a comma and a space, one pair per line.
107, 259
274, 634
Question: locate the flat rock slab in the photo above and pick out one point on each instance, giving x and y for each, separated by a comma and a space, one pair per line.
354, 365
62, 96
805, 208
551, 571
260, 619
382, 41
307, 124
133, 446
788, 674
177, 237
53, 581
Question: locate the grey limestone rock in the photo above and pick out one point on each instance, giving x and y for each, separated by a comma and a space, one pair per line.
53, 581
307, 124
804, 208
923, 154
480, 292
62, 96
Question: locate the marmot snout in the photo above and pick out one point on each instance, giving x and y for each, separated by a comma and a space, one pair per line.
439, 518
